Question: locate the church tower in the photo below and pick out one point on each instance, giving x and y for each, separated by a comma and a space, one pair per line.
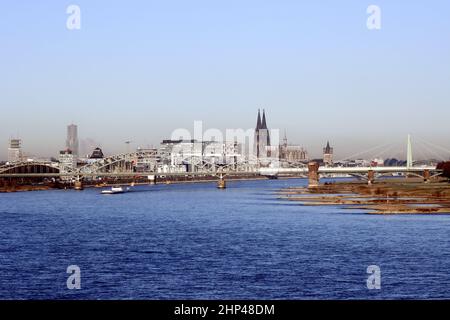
328, 155
262, 136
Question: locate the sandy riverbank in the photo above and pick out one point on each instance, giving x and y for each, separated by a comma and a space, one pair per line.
387, 197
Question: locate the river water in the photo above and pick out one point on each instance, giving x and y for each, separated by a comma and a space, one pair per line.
193, 241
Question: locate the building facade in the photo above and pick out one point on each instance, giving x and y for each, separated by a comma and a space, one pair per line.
67, 161
292, 153
146, 160
180, 155
15, 150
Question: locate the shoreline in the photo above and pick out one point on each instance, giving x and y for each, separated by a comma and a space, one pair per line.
381, 198
29, 188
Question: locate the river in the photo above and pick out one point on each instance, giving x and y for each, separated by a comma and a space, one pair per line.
193, 241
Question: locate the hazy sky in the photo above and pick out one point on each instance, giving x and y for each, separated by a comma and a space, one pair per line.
137, 70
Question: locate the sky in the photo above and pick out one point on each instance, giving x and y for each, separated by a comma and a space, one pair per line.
137, 70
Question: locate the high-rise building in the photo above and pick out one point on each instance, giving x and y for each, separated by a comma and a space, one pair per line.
328, 155
15, 150
262, 137
72, 139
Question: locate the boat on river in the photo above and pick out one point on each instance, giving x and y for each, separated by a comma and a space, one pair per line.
116, 190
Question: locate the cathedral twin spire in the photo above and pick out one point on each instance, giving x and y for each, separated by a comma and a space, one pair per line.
261, 124
262, 136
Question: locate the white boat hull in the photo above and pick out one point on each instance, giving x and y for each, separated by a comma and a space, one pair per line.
115, 190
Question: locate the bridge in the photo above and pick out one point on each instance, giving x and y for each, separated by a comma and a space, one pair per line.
123, 166
313, 172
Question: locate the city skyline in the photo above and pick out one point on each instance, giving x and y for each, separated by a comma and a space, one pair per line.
141, 71
215, 158
393, 150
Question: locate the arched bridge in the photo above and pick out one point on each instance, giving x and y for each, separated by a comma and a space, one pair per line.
124, 165
29, 168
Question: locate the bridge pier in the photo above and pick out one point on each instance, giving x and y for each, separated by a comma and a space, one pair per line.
370, 177
152, 179
426, 175
313, 175
78, 185
221, 184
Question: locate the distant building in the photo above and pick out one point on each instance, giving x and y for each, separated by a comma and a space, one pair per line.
292, 153
67, 161
146, 160
179, 155
86, 147
97, 154
393, 162
262, 137
72, 139
328, 155
15, 150
377, 162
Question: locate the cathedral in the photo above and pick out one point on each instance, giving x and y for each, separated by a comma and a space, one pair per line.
262, 137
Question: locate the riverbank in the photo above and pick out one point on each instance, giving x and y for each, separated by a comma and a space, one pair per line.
400, 196
26, 188
42, 187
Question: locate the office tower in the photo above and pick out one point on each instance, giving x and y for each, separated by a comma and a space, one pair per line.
72, 139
